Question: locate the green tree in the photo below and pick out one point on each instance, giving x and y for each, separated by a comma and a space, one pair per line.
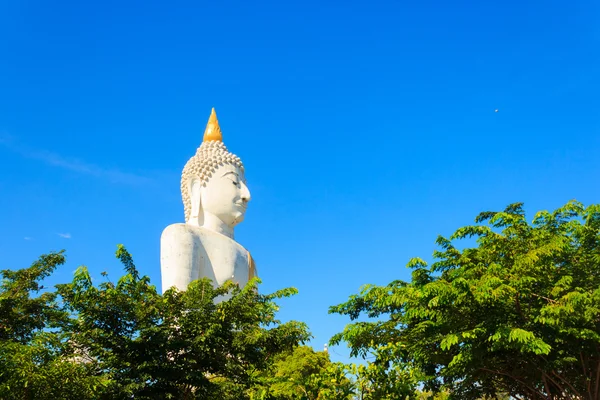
34, 353
21, 315
517, 314
383, 381
178, 345
303, 374
118, 340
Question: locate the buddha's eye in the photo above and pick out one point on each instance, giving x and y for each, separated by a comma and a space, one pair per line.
235, 183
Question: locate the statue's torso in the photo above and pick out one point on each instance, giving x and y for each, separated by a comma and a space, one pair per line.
189, 252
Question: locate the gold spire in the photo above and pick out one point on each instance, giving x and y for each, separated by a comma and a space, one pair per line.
213, 130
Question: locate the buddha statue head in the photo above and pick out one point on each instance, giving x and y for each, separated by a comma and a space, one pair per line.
213, 185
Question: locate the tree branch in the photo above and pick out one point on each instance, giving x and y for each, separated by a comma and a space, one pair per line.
588, 379
519, 310
560, 388
545, 298
548, 392
597, 381
575, 392
531, 389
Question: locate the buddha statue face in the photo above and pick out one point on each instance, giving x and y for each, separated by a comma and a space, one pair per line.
225, 195
213, 186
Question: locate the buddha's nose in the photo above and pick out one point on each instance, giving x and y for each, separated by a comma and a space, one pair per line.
245, 192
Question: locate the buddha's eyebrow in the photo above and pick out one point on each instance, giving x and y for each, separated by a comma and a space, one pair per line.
230, 172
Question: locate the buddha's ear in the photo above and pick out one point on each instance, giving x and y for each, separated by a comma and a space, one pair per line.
195, 185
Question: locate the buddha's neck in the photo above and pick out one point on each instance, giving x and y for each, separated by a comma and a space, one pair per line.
213, 223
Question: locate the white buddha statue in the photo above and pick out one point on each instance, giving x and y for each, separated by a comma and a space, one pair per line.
215, 197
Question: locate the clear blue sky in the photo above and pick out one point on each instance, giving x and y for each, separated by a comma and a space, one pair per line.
366, 128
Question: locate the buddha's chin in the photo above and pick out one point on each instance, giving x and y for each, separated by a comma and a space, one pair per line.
237, 218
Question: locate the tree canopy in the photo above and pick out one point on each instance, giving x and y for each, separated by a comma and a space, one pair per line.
518, 314
303, 374
513, 311
123, 339
33, 345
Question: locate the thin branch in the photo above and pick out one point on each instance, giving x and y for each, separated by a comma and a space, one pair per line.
575, 392
519, 310
597, 381
545, 298
588, 379
560, 388
531, 389
548, 392
582, 363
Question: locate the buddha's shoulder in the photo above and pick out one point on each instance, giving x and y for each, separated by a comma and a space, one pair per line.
180, 231
187, 232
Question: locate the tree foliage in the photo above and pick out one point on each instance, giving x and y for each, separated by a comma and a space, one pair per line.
517, 314
383, 381
303, 374
123, 339
33, 347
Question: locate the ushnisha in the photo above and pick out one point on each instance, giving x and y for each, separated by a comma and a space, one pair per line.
215, 198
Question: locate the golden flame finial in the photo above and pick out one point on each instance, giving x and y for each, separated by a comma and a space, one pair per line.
213, 130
